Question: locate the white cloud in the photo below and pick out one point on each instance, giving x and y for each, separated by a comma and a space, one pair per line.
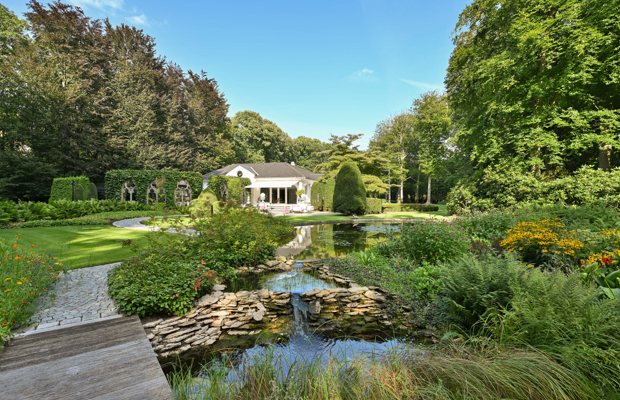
363, 75
101, 4
423, 85
139, 20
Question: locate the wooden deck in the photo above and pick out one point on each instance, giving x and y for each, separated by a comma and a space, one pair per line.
110, 359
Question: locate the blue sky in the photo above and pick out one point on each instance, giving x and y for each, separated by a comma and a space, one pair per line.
314, 67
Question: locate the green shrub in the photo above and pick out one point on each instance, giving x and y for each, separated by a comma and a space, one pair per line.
429, 241
509, 186
62, 188
317, 196
410, 207
11, 212
63, 222
349, 192
92, 192
374, 206
203, 205
161, 278
79, 193
152, 285
27, 274
330, 187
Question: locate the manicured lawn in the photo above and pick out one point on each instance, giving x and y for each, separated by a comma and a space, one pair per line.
79, 246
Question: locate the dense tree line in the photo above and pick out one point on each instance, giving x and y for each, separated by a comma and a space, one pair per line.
532, 92
79, 96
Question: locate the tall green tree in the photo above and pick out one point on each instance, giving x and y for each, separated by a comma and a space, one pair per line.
257, 140
308, 153
394, 139
12, 31
342, 149
536, 82
434, 128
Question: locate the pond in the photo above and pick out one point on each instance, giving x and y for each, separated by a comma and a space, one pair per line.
333, 240
302, 346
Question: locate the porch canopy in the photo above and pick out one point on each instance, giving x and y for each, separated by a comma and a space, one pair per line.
272, 184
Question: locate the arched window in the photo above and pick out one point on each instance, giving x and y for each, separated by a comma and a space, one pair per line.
128, 191
156, 193
183, 193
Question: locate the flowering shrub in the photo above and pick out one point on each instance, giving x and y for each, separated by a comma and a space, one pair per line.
25, 275
429, 241
173, 270
538, 242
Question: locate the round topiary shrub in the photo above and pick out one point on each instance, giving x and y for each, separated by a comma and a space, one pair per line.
349, 192
92, 192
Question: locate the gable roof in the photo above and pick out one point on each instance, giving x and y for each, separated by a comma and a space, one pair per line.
269, 170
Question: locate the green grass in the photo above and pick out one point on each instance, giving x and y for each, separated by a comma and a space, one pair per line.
79, 246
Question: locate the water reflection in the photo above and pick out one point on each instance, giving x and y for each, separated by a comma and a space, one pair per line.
325, 241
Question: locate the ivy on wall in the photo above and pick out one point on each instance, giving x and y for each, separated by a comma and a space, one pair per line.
63, 190
143, 178
232, 185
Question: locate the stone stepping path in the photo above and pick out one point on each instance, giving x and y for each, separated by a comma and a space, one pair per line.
81, 295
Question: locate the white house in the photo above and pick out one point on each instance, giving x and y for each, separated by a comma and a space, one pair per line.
279, 181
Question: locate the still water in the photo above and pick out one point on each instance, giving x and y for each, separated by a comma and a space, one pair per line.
333, 240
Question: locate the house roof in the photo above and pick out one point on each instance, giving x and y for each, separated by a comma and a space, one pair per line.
269, 170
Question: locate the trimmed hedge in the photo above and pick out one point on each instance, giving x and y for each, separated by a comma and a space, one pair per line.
143, 178
374, 205
322, 195
63, 190
92, 192
350, 192
410, 207
235, 185
79, 193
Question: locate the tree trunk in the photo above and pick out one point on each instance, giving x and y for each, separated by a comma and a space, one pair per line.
428, 195
417, 185
604, 156
402, 191
389, 186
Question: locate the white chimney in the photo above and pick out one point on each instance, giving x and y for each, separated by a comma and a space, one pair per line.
293, 163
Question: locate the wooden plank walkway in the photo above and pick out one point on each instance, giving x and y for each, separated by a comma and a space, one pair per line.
109, 359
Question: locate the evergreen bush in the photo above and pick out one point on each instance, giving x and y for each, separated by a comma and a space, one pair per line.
317, 196
374, 206
62, 188
92, 192
349, 191
79, 193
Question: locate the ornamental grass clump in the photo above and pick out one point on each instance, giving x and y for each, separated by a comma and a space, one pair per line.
429, 241
25, 275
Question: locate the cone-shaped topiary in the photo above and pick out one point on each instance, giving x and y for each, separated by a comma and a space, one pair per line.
92, 192
349, 193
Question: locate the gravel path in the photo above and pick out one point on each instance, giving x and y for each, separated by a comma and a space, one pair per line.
81, 295
135, 223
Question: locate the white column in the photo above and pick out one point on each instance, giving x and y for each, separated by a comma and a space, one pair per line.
271, 195
285, 195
